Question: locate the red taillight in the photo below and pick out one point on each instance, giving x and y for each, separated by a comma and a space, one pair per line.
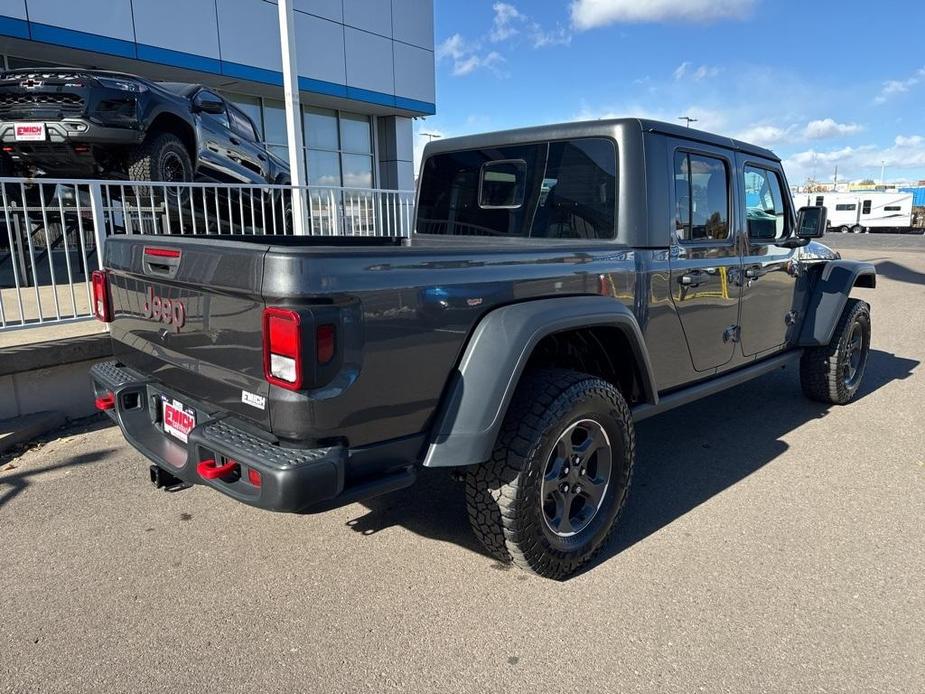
162, 252
282, 348
101, 304
324, 343
253, 476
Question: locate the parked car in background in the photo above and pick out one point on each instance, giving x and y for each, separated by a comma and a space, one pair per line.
67, 123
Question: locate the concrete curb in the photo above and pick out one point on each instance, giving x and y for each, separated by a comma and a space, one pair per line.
42, 355
19, 430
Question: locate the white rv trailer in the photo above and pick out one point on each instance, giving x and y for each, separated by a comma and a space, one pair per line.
862, 211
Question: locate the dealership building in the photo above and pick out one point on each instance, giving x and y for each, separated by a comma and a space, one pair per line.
366, 67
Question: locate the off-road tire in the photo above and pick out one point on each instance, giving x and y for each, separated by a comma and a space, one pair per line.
147, 161
503, 494
822, 369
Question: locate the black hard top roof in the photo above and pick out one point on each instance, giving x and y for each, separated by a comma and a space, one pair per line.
595, 128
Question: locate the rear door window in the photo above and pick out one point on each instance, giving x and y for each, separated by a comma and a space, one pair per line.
701, 198
563, 189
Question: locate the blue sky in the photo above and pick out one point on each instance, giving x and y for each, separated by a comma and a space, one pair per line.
819, 82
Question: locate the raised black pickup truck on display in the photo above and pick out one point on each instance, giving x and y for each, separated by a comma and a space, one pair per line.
563, 283
66, 122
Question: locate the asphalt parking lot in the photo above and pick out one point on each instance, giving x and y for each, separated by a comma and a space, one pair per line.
770, 544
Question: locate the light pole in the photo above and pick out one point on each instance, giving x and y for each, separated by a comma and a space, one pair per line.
688, 119
882, 170
293, 116
430, 136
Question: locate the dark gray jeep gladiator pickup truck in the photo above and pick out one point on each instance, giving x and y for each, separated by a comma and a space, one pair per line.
562, 283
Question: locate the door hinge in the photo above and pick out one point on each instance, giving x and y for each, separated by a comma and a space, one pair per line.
732, 334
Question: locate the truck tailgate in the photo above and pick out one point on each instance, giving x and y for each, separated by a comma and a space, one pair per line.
189, 312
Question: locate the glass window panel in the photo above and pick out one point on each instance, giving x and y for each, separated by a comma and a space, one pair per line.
280, 151
355, 133
274, 122
320, 126
577, 197
764, 205
358, 171
449, 201
251, 106
503, 184
323, 168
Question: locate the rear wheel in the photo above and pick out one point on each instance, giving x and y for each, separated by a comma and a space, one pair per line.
858, 229
833, 373
550, 497
844, 228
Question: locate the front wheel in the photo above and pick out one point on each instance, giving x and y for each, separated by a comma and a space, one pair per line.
833, 373
550, 497
858, 229
161, 157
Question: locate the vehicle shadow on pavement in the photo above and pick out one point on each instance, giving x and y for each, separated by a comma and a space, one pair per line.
434, 507
12, 485
684, 459
900, 273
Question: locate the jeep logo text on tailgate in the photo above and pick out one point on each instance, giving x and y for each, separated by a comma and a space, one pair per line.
169, 311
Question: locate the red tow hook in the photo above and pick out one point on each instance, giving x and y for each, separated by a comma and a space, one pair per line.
209, 470
106, 402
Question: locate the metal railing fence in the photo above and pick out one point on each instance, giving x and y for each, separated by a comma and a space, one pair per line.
52, 231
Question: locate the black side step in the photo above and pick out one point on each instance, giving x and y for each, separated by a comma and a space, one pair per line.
391, 482
715, 385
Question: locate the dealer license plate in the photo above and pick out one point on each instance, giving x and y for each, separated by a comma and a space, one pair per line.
30, 132
178, 419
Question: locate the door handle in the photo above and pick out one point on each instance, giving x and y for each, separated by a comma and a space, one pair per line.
691, 280
753, 273
234, 140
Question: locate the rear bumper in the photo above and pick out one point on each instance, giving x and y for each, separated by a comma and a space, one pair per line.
291, 480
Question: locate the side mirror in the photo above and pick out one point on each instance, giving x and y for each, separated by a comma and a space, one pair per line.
811, 222
206, 105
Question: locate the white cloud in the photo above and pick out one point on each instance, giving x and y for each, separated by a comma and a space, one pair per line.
453, 47
891, 88
827, 127
468, 57
508, 25
589, 14
765, 135
468, 65
510, 22
506, 18
697, 74
906, 153
706, 118
771, 134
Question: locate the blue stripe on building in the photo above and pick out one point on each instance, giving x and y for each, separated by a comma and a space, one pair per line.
44, 33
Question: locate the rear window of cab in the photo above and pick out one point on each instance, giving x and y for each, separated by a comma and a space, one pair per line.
553, 190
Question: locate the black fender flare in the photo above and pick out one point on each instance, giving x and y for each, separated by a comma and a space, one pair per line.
829, 296
480, 390
182, 116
